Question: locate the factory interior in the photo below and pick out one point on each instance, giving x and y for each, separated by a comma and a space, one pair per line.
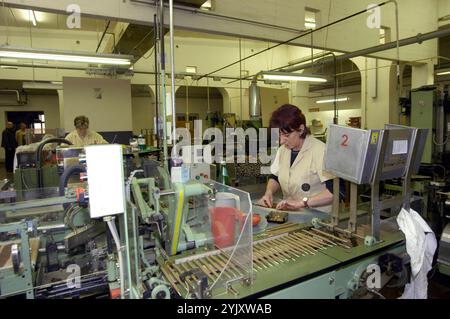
146, 145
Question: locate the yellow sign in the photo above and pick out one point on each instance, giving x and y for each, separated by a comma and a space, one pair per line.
374, 138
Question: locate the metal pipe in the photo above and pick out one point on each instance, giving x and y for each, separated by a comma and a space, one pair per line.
155, 39
207, 93
15, 91
112, 227
44, 228
172, 76
419, 38
162, 62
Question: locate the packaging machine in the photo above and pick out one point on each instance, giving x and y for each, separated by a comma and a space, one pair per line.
145, 237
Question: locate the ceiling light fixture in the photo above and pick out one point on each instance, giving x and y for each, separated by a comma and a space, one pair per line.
42, 86
206, 6
443, 73
8, 67
341, 99
63, 56
285, 76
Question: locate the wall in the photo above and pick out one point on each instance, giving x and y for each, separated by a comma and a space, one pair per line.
382, 108
443, 11
271, 99
46, 103
210, 54
64, 39
199, 106
326, 117
347, 109
143, 112
111, 113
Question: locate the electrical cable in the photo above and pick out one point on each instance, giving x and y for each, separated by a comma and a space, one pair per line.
440, 144
232, 253
113, 229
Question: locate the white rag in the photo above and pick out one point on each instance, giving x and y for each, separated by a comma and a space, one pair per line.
421, 245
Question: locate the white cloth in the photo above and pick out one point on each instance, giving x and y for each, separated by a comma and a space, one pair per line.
421, 245
306, 170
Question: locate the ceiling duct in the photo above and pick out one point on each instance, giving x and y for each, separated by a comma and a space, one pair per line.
254, 94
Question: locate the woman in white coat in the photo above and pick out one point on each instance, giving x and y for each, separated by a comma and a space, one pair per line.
298, 165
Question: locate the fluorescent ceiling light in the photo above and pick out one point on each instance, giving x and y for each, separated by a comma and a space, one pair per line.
206, 6
41, 86
191, 69
341, 99
310, 25
63, 56
284, 76
443, 73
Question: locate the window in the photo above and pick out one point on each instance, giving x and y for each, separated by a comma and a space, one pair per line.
191, 69
385, 35
207, 5
311, 18
39, 124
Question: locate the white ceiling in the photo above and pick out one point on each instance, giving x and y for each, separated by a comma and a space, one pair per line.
21, 18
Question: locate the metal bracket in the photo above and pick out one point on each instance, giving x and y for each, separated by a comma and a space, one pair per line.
202, 282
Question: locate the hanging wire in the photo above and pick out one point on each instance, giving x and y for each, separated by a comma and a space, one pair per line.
7, 23
207, 94
240, 77
31, 43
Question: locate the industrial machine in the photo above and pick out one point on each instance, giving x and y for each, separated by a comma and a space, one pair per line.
36, 165
430, 108
139, 235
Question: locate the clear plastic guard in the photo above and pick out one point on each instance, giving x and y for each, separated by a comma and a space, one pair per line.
220, 223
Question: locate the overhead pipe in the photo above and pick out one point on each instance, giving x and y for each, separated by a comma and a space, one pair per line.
172, 76
17, 95
155, 40
162, 61
254, 95
419, 38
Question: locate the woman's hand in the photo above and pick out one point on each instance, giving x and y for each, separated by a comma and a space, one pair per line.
289, 204
266, 200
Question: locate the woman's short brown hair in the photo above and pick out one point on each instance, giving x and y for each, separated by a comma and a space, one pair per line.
81, 121
289, 118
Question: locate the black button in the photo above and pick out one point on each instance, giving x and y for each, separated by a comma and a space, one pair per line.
306, 187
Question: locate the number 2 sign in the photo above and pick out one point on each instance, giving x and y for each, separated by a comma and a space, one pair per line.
344, 140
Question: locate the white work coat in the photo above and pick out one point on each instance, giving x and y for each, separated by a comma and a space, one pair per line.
305, 177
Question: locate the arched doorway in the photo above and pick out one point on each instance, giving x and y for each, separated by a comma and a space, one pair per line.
319, 108
198, 103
